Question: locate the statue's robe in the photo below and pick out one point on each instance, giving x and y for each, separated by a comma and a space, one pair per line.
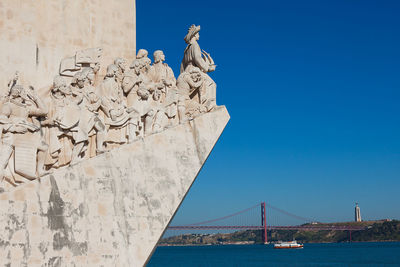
192, 57
113, 100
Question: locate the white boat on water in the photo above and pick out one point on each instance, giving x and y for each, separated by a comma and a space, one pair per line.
292, 244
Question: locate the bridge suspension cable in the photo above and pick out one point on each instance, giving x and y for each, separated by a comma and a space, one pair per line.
290, 214
224, 217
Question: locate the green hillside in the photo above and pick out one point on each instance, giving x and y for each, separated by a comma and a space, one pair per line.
375, 231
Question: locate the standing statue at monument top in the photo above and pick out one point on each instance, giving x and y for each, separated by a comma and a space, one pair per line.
195, 57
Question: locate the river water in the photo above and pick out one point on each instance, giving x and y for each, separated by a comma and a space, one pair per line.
333, 254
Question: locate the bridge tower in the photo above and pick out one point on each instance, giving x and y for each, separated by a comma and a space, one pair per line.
264, 223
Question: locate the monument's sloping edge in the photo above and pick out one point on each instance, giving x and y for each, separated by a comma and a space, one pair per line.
205, 142
110, 210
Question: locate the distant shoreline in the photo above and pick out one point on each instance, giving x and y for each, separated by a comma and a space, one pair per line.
250, 244
372, 231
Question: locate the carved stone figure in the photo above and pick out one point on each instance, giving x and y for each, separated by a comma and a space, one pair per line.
142, 53
161, 74
121, 64
146, 102
165, 85
195, 57
190, 85
89, 103
116, 112
66, 133
20, 133
84, 120
131, 81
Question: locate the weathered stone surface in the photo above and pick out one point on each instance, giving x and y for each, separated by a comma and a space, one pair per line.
110, 210
36, 35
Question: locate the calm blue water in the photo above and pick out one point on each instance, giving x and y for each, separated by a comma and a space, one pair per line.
343, 254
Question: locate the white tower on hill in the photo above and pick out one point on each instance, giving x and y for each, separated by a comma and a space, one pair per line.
357, 214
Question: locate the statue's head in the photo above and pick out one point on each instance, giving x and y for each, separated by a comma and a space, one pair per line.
89, 74
146, 62
158, 56
195, 74
65, 90
193, 32
142, 53
120, 63
80, 78
143, 93
58, 82
111, 71
16, 91
136, 65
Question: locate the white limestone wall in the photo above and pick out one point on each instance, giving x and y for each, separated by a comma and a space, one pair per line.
36, 34
110, 210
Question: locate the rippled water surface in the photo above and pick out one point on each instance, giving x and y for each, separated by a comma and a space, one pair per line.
343, 254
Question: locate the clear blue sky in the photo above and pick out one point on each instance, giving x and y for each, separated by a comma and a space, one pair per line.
313, 90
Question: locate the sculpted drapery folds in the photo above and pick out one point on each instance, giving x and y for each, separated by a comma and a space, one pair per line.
85, 115
173, 102
195, 57
66, 133
117, 114
89, 103
21, 134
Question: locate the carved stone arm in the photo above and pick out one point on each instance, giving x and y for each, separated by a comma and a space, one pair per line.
3, 122
48, 122
199, 61
78, 98
94, 106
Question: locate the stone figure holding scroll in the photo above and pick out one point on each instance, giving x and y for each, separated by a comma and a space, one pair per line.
195, 57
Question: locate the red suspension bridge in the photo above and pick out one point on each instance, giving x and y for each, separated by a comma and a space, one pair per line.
225, 223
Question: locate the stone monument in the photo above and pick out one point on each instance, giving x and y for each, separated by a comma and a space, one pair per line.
96, 156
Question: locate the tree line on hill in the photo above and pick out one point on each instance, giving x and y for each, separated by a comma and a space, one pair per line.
375, 231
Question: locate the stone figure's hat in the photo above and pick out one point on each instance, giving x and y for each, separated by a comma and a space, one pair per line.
191, 32
142, 53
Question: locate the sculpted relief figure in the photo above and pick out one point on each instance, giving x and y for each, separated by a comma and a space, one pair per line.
139, 90
195, 57
21, 135
117, 114
121, 64
191, 84
84, 118
66, 134
165, 84
89, 103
